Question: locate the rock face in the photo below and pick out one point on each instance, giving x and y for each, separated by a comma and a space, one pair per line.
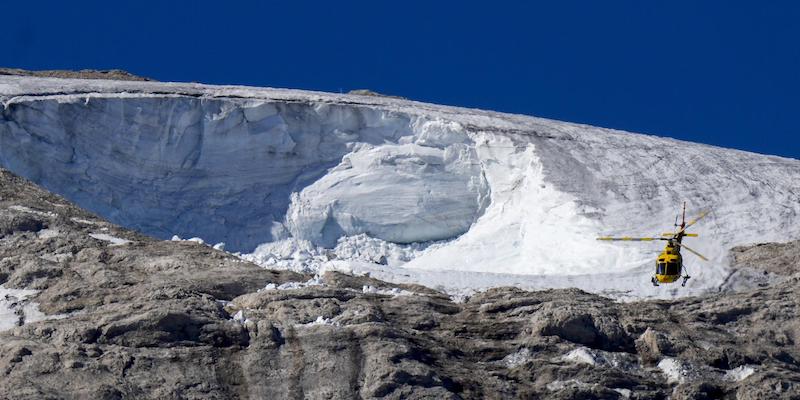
115, 74
126, 316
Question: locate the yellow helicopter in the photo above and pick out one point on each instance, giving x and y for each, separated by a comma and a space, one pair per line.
669, 264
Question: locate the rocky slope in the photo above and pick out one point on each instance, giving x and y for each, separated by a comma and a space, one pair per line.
115, 74
128, 316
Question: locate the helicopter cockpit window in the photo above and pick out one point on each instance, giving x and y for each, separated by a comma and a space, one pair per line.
660, 268
672, 268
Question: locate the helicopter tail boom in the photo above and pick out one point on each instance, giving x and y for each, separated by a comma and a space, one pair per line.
635, 239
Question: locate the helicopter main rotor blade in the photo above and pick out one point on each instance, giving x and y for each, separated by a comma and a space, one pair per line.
702, 257
635, 239
694, 221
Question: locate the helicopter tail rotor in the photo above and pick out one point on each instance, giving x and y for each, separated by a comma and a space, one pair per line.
634, 239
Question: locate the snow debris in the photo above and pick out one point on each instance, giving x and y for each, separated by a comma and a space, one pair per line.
16, 309
676, 370
585, 355
319, 321
83, 221
304, 256
219, 246
739, 373
391, 292
557, 385
240, 318
29, 210
47, 233
582, 355
115, 241
521, 357
315, 281
625, 393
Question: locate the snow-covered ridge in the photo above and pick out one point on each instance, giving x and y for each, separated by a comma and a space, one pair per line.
509, 199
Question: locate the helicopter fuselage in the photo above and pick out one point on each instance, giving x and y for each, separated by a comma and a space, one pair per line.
669, 264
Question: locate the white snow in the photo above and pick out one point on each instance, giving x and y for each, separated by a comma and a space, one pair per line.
625, 393
581, 355
31, 211
319, 321
409, 192
676, 370
115, 241
680, 371
739, 373
599, 358
315, 281
16, 309
520, 357
47, 233
394, 292
83, 221
558, 385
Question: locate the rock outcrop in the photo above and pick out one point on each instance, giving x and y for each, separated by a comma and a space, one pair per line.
115, 74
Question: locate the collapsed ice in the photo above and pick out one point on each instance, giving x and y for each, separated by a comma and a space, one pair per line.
245, 172
511, 200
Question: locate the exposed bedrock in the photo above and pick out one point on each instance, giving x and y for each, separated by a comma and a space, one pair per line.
229, 170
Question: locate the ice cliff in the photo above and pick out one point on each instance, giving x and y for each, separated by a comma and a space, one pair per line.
497, 198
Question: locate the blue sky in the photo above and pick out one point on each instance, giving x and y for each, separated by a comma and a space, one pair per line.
725, 73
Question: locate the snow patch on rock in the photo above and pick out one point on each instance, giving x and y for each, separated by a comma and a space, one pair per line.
16, 309
394, 292
676, 370
521, 357
585, 355
315, 281
47, 233
115, 241
739, 373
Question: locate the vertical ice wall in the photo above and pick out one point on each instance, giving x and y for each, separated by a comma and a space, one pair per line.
230, 170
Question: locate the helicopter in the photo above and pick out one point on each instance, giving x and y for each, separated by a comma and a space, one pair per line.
669, 264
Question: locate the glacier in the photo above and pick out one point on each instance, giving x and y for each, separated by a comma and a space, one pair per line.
450, 197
